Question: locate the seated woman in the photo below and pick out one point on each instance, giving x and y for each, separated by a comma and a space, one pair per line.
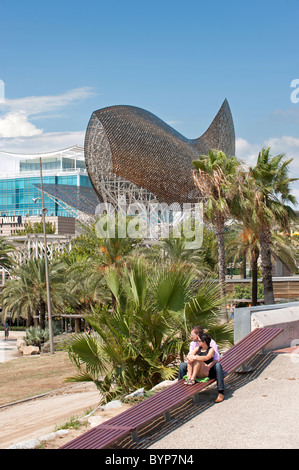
199, 369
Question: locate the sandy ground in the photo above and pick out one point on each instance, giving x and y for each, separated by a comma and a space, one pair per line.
35, 418
260, 410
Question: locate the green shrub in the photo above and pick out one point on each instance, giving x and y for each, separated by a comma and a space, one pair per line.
36, 336
244, 291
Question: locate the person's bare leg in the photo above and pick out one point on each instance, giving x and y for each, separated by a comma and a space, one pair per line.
189, 371
198, 370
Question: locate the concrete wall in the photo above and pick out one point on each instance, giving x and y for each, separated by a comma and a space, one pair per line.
284, 316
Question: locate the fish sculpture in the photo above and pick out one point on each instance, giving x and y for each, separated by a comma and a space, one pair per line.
127, 146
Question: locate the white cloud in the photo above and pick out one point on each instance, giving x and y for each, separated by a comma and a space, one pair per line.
289, 114
43, 142
283, 144
18, 134
246, 151
287, 145
17, 113
16, 124
295, 192
34, 105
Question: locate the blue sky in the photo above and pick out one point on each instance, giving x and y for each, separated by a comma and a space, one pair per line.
61, 60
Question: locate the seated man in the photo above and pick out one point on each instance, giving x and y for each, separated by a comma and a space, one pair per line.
215, 367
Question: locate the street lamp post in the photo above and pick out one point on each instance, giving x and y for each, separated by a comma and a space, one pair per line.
44, 211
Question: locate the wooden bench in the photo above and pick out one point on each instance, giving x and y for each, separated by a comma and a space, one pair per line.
104, 435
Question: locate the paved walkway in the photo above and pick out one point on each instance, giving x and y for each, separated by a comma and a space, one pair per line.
261, 411
8, 348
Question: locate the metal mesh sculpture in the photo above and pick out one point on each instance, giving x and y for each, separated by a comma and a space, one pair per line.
130, 152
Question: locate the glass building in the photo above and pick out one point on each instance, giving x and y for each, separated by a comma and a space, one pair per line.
20, 192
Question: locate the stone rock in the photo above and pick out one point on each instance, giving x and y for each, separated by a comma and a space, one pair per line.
21, 344
30, 350
112, 404
53, 435
95, 421
137, 393
164, 384
34, 443
30, 444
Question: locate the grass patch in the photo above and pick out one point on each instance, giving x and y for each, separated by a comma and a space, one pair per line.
73, 423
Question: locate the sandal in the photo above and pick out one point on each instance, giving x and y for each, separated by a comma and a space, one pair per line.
191, 382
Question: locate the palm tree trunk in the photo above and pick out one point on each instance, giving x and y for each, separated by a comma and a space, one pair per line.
254, 271
42, 315
219, 222
29, 321
244, 265
35, 320
77, 325
266, 266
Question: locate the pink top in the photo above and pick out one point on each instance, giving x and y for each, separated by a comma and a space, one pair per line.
213, 345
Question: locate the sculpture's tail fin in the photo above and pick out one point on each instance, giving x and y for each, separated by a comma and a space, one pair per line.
220, 135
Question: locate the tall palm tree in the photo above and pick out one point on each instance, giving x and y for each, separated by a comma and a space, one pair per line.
216, 181
270, 194
243, 243
25, 294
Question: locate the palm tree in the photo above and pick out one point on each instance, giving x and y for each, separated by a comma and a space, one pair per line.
6, 249
25, 293
243, 242
137, 342
84, 284
216, 181
106, 250
270, 194
173, 250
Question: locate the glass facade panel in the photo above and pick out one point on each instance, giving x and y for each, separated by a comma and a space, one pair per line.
65, 168
16, 195
85, 181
